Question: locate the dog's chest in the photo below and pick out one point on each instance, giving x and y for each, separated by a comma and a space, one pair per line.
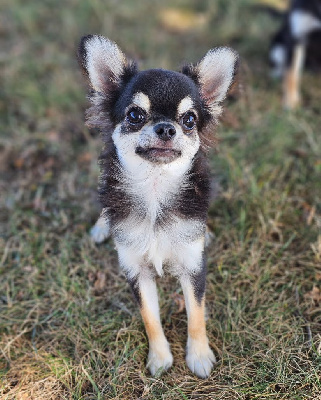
156, 194
152, 192
154, 231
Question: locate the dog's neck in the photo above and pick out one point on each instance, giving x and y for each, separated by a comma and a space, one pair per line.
155, 185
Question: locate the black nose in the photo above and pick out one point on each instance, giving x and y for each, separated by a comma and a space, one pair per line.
165, 131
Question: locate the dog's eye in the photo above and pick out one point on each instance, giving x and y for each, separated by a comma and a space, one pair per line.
189, 120
135, 116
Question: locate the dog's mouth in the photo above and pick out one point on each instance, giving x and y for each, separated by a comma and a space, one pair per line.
158, 154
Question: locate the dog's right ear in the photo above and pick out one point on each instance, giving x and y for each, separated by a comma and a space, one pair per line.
104, 63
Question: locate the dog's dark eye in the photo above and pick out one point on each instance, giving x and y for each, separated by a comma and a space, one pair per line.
189, 120
135, 116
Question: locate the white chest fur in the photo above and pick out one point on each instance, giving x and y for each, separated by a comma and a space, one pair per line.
141, 240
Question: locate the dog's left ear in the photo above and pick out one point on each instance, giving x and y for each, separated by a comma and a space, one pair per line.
215, 74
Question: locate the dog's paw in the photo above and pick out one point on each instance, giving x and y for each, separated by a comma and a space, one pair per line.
291, 102
100, 231
160, 359
200, 358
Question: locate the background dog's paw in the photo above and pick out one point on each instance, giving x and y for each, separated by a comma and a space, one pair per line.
100, 231
209, 237
200, 359
160, 359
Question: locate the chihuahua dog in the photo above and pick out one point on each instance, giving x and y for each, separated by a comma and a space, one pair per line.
154, 187
296, 44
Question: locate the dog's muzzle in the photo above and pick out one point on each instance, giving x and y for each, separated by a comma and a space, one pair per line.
160, 155
165, 131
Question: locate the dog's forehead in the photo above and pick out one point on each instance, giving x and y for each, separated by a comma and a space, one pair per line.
163, 92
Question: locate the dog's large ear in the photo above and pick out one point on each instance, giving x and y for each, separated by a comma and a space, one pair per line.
214, 74
103, 62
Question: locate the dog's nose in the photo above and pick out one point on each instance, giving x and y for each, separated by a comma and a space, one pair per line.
165, 131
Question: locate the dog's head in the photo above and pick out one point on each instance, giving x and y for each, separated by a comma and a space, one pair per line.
156, 115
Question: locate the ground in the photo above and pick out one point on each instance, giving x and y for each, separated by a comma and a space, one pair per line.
69, 327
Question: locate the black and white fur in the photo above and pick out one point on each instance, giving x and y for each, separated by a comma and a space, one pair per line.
296, 44
154, 187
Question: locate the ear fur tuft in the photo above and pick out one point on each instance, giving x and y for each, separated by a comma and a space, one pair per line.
103, 62
214, 75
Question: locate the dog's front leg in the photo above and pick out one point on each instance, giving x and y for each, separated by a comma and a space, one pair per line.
292, 77
145, 291
199, 356
101, 230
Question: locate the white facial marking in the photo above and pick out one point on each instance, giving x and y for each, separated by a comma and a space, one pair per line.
102, 53
185, 105
141, 100
139, 169
303, 23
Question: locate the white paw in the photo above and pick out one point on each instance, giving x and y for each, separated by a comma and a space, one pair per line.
291, 101
160, 359
100, 231
200, 358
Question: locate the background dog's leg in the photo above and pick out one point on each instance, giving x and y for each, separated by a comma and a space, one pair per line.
292, 77
101, 230
199, 357
145, 291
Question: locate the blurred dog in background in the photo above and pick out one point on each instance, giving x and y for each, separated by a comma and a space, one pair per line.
296, 45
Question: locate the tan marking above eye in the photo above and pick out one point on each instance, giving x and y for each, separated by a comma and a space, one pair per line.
141, 100
185, 105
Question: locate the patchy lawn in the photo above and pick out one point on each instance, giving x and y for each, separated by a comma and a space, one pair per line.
69, 327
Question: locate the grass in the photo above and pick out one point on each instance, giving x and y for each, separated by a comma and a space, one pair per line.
69, 328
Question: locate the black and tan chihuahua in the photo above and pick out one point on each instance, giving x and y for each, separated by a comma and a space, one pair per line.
157, 126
